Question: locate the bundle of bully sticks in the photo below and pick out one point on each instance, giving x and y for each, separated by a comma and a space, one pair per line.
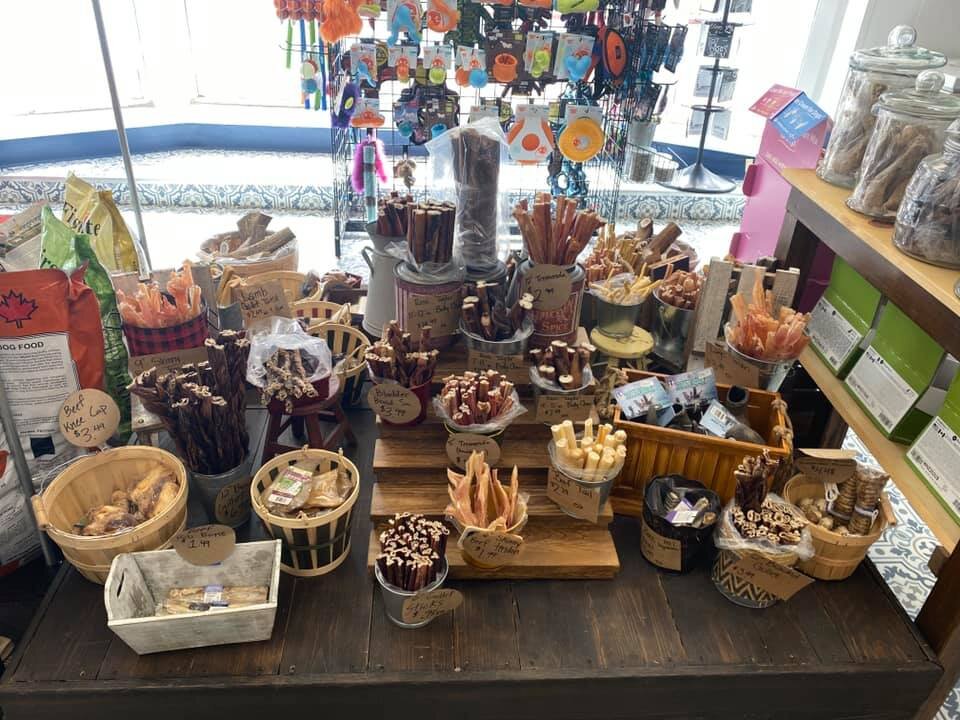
556, 241
394, 358
427, 226
203, 406
476, 398
412, 551
488, 317
638, 251
563, 364
287, 373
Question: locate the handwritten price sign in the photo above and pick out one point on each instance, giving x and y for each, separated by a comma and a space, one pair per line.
424, 607
490, 549
394, 403
263, 301
206, 544
88, 418
574, 499
461, 445
550, 286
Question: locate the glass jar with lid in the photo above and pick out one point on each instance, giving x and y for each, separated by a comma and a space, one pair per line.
928, 223
911, 124
873, 71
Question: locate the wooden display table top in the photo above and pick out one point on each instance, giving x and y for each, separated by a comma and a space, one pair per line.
647, 644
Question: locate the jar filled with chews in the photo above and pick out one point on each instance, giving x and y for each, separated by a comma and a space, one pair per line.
873, 71
911, 124
928, 223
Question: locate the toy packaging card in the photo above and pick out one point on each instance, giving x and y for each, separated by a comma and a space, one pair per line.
578, 50
935, 454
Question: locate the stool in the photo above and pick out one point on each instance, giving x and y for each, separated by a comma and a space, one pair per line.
310, 414
634, 348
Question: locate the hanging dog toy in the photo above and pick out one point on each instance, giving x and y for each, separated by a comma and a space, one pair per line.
366, 183
578, 66
340, 19
404, 170
345, 106
363, 74
438, 71
403, 69
442, 17
541, 63
478, 75
581, 140
406, 18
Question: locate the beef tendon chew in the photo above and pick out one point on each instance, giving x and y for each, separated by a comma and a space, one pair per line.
477, 398
478, 499
412, 551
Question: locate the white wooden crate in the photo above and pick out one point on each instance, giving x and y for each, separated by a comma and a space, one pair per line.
138, 581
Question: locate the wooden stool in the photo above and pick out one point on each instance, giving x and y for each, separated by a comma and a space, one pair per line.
634, 348
327, 410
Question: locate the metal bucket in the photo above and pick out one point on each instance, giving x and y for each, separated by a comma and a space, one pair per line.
562, 323
516, 345
772, 373
381, 295
497, 278
616, 320
447, 292
393, 597
225, 497
671, 326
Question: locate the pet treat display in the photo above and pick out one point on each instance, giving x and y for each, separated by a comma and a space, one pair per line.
476, 172
250, 241
478, 499
911, 124
760, 335
203, 406
287, 373
589, 457
488, 316
682, 289
774, 522
427, 226
412, 551
624, 289
302, 492
180, 600
563, 364
555, 237
928, 221
854, 509
151, 495
394, 357
150, 308
477, 398
754, 476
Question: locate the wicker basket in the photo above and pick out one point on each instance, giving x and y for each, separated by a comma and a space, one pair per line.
311, 546
283, 259
291, 282
837, 556
314, 310
654, 450
89, 482
347, 342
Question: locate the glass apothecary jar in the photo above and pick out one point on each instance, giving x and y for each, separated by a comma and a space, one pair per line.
928, 223
873, 71
911, 124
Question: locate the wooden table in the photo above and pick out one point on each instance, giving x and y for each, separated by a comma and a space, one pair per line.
816, 212
646, 644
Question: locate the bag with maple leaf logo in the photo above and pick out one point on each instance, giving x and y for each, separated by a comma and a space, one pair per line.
51, 345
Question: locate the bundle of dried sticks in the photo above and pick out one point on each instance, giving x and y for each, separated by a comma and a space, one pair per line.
393, 356
488, 317
560, 240
412, 551
427, 226
287, 373
563, 364
476, 398
203, 406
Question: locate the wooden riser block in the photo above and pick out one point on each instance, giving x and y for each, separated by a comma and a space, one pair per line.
432, 428
394, 458
529, 477
431, 500
549, 553
627, 501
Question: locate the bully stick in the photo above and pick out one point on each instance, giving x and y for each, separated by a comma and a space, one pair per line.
476, 398
558, 241
483, 313
563, 364
412, 551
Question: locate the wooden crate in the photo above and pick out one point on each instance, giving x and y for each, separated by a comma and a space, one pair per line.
139, 581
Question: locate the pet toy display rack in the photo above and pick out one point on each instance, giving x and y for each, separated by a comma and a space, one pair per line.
698, 177
632, 95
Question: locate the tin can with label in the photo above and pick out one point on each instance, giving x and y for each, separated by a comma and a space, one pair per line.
560, 323
429, 300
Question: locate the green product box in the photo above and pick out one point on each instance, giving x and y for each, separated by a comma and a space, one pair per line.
935, 454
901, 378
842, 322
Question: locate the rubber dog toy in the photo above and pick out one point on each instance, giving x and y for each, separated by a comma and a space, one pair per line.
363, 74
367, 118
505, 68
340, 19
462, 76
403, 20
356, 177
340, 116
530, 145
581, 140
478, 76
614, 54
438, 72
566, 7
541, 63
403, 69
437, 130
441, 17
577, 66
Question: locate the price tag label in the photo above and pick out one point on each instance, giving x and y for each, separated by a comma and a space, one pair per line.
730, 369
394, 403
827, 465
206, 544
490, 549
262, 301
661, 551
575, 499
832, 334
774, 578
556, 408
232, 505
426, 606
88, 418
550, 286
507, 364
461, 445
440, 311
165, 362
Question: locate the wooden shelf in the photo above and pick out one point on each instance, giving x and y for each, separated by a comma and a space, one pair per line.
890, 455
924, 292
416, 456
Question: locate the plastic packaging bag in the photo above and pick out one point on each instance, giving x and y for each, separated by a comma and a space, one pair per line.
500, 422
472, 155
67, 250
727, 537
94, 213
286, 334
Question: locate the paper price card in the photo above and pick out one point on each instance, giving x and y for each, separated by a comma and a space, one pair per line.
88, 418
730, 369
826, 465
661, 551
262, 301
488, 548
164, 362
831, 334
478, 361
423, 607
232, 505
774, 578
206, 544
556, 408
440, 311
550, 286
573, 498
395, 403
461, 445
